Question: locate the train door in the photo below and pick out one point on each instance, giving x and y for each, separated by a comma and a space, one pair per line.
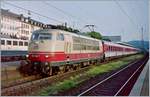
59, 44
67, 46
104, 49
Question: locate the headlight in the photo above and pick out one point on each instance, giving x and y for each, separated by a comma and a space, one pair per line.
27, 56
46, 56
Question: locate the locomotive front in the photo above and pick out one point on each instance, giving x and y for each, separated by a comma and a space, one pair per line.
40, 45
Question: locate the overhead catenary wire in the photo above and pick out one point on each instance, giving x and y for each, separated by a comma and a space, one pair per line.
70, 15
64, 12
130, 19
31, 11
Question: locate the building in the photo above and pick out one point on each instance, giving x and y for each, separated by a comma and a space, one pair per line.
113, 38
16, 30
9, 24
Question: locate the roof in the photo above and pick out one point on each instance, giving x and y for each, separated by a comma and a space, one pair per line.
120, 44
22, 18
113, 38
8, 13
123, 43
66, 32
4, 36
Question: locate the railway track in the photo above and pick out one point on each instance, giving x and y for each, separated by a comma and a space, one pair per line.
20, 81
118, 84
27, 87
33, 78
13, 58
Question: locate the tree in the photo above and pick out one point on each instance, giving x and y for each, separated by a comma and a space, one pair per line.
76, 31
94, 34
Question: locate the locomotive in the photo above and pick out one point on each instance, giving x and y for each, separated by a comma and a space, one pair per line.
53, 51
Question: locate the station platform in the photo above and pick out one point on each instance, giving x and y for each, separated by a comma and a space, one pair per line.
141, 87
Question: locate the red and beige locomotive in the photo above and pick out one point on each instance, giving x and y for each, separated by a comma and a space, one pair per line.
52, 51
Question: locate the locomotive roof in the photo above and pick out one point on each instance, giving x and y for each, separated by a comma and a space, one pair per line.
86, 37
65, 32
119, 45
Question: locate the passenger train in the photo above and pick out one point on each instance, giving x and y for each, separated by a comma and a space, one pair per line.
53, 51
9, 44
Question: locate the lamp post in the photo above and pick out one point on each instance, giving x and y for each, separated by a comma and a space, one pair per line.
142, 41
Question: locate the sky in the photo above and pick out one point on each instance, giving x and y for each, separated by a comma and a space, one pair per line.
110, 17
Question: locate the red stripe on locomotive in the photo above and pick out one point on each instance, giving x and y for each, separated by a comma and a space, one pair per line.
60, 56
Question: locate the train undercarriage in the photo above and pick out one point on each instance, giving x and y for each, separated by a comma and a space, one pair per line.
49, 69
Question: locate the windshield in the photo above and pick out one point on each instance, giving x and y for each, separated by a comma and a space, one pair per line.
41, 36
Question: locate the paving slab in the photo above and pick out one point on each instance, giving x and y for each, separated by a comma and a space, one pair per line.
141, 87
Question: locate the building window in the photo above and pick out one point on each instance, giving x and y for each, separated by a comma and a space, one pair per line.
20, 43
15, 43
8, 42
25, 43
2, 42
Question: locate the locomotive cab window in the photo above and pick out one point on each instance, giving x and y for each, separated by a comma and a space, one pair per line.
45, 36
41, 36
35, 36
60, 37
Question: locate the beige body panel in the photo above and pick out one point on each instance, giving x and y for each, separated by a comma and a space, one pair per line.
66, 46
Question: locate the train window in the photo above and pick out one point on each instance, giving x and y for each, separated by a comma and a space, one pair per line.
45, 36
85, 40
20, 43
76, 47
76, 39
35, 36
60, 37
90, 48
87, 47
97, 48
41, 36
2, 42
15, 43
83, 47
109, 48
112, 48
25, 43
8, 42
82, 40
